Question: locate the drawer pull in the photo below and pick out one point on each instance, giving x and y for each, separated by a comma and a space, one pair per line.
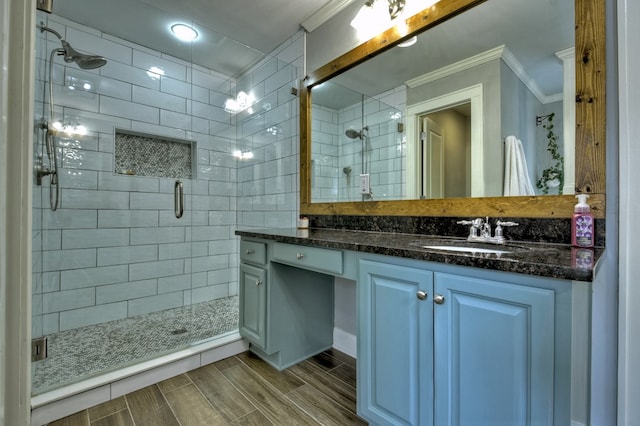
250, 251
259, 282
422, 295
299, 256
439, 299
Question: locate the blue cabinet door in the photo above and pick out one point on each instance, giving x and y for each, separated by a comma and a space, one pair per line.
494, 353
253, 304
395, 338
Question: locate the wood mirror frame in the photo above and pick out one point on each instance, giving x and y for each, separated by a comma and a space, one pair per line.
590, 126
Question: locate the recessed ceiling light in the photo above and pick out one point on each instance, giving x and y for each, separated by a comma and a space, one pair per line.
184, 32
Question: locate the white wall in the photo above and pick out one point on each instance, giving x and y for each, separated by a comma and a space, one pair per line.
629, 318
333, 38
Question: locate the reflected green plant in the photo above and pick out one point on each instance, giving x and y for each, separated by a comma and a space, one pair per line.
555, 173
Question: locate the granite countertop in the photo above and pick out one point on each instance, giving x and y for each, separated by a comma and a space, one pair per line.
541, 259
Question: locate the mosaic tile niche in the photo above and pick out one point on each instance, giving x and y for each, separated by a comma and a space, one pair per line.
149, 155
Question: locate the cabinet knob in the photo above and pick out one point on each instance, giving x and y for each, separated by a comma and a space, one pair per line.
250, 251
439, 299
258, 282
299, 256
422, 295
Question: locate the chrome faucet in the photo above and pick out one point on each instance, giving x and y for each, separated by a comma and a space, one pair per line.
480, 230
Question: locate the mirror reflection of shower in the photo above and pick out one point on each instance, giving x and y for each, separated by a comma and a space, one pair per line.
83, 61
365, 156
347, 174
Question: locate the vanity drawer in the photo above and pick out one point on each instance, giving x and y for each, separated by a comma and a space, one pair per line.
253, 252
319, 259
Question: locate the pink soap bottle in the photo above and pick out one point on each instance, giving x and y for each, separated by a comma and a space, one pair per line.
582, 234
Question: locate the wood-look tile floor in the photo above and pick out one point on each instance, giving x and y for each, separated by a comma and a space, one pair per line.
240, 390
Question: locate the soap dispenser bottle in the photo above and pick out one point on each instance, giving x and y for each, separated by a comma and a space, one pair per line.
582, 228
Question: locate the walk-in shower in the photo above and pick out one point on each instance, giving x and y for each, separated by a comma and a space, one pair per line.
48, 128
118, 277
120, 283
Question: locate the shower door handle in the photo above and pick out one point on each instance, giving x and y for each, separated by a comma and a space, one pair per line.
178, 198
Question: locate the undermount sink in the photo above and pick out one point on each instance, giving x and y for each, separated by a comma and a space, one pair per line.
465, 246
467, 249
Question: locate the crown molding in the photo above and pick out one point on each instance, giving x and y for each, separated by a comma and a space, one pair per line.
566, 53
326, 12
500, 52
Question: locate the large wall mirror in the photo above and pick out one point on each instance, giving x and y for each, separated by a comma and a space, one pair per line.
432, 129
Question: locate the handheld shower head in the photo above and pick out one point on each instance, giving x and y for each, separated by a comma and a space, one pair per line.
84, 61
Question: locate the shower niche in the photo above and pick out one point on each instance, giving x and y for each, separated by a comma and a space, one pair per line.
139, 154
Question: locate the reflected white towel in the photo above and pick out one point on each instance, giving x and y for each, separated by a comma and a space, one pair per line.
516, 174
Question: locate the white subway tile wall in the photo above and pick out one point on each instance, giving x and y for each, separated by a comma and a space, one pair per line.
114, 248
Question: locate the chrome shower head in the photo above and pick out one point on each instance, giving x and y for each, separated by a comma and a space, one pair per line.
86, 62
354, 134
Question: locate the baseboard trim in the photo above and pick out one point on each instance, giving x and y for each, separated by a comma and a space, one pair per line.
345, 342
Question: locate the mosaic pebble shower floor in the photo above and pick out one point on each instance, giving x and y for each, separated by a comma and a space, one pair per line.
78, 354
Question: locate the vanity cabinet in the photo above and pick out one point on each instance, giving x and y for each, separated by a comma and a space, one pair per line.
286, 312
437, 343
253, 308
440, 348
395, 344
494, 352
253, 292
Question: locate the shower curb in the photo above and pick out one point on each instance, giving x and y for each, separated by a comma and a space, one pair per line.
62, 402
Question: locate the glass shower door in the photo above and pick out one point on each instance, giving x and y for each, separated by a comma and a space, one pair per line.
138, 258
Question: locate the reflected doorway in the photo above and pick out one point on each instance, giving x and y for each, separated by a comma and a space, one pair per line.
445, 146
460, 173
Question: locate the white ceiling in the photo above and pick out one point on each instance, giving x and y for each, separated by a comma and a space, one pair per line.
234, 34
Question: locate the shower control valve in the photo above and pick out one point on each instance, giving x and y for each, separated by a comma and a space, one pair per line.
365, 187
41, 170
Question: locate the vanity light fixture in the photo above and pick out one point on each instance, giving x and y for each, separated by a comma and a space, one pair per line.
184, 32
378, 15
395, 7
371, 19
